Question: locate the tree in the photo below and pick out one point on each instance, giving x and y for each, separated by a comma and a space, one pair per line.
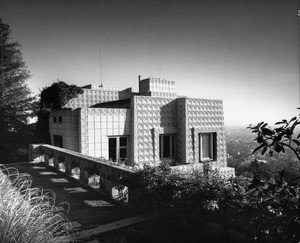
54, 97
16, 102
279, 200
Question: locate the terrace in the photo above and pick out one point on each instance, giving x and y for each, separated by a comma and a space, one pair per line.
76, 180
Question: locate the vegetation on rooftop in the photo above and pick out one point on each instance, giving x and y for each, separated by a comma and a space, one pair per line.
53, 97
56, 96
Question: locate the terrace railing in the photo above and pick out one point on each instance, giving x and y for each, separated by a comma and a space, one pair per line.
96, 172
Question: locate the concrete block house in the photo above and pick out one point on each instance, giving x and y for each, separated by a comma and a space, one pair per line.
144, 127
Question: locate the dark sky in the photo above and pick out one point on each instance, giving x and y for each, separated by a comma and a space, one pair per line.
244, 52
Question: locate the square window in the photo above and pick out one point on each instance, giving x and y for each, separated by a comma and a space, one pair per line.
60, 119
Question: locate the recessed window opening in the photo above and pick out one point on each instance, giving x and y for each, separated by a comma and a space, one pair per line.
60, 119
58, 141
207, 146
117, 148
167, 146
54, 119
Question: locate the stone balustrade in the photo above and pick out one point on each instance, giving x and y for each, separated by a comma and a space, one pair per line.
110, 173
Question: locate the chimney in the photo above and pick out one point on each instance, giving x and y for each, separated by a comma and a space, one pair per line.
139, 78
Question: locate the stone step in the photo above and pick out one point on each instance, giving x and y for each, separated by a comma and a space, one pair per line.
72, 225
108, 227
58, 209
93, 241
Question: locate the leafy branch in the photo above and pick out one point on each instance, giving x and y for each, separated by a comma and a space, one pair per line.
279, 138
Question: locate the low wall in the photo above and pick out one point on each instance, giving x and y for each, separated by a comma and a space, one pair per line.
110, 173
208, 168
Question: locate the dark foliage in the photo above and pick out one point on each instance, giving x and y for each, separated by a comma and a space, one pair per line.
214, 209
279, 200
52, 98
277, 139
57, 95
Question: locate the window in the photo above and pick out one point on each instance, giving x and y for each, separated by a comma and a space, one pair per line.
54, 119
207, 146
58, 141
117, 148
60, 119
167, 146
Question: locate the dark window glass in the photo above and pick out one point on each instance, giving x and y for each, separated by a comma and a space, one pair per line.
167, 146
58, 141
123, 154
112, 147
123, 141
117, 148
54, 119
173, 145
60, 119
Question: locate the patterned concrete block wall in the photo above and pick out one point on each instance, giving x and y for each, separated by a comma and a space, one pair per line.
156, 87
182, 130
97, 124
151, 117
156, 110
204, 115
91, 97
68, 128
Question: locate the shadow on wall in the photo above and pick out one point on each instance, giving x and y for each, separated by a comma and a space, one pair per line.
168, 142
168, 115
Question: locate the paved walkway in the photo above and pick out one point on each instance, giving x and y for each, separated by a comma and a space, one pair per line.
86, 208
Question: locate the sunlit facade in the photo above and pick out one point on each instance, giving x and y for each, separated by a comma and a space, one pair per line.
144, 127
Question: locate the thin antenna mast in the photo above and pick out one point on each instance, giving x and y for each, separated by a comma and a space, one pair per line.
299, 45
100, 56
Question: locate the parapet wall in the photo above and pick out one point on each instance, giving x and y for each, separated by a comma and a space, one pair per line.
92, 96
156, 87
110, 173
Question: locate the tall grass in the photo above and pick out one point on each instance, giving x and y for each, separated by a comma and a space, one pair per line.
27, 214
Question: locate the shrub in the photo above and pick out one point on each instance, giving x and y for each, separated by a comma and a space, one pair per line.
26, 214
192, 207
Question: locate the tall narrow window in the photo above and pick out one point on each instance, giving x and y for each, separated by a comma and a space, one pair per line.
207, 146
123, 148
117, 148
167, 146
112, 149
